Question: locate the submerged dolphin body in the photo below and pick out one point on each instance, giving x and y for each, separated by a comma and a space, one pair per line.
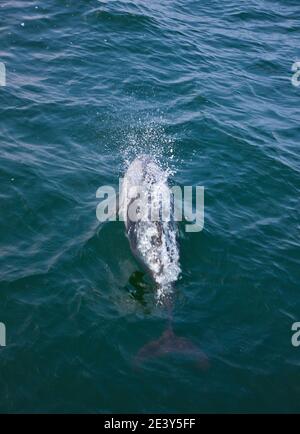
145, 191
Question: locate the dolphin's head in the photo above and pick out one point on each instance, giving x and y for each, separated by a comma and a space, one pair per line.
142, 170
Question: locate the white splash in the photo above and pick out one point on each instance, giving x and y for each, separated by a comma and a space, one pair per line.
149, 137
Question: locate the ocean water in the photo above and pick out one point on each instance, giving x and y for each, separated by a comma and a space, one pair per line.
204, 87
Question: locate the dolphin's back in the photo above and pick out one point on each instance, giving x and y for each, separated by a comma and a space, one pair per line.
152, 240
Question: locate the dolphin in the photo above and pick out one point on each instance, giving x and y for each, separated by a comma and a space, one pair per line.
148, 214
146, 205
